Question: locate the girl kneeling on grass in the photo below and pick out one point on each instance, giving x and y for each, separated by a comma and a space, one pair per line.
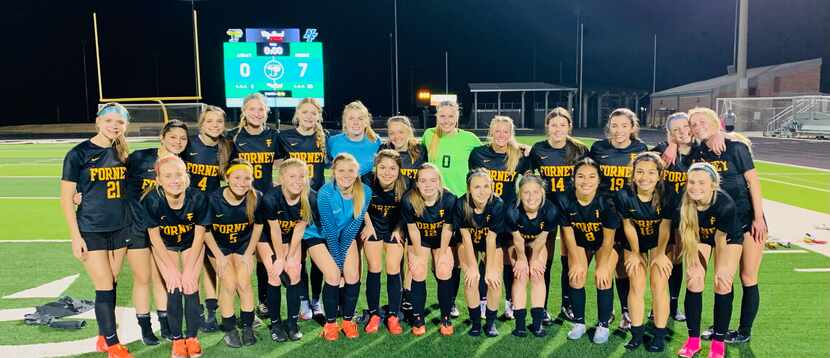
176, 217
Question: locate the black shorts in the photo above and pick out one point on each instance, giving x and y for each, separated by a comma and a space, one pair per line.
481, 246
730, 240
312, 241
436, 243
138, 239
645, 245
238, 249
107, 240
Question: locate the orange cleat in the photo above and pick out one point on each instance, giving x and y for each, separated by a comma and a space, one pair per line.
118, 351
350, 329
331, 332
179, 349
419, 330
393, 325
194, 348
373, 324
446, 329
101, 344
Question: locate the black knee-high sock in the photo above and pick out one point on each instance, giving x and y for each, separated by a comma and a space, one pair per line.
419, 298
623, 285
563, 281
228, 323
749, 308
507, 277
165, 326
675, 281
490, 317
537, 315
247, 318
393, 291
274, 299
211, 304
261, 282
605, 304
693, 303
331, 297
105, 315
520, 315
292, 297
303, 288
350, 303
578, 304
373, 291
144, 323
444, 299
316, 281
192, 310
482, 284
723, 314
456, 282
475, 318
175, 314
548, 268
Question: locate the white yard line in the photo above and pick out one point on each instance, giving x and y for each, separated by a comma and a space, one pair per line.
795, 185
770, 252
793, 165
29, 197
813, 270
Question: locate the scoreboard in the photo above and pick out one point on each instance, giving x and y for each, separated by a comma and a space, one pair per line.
273, 62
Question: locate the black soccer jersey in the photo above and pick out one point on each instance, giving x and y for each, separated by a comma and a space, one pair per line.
589, 220
176, 226
384, 210
409, 165
304, 147
275, 207
260, 150
674, 176
731, 165
547, 218
202, 164
141, 172
719, 216
504, 181
432, 220
229, 223
645, 218
551, 165
491, 219
101, 178
615, 164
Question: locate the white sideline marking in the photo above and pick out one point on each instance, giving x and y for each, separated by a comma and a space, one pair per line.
31, 241
793, 165
813, 270
52, 289
27, 176
29, 197
769, 252
797, 185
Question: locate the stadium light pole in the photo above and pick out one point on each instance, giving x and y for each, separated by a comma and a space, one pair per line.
446, 73
654, 67
397, 87
741, 88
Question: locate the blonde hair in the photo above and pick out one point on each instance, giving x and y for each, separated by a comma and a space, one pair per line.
468, 202
244, 121
411, 142
689, 225
714, 122
162, 160
251, 203
365, 117
627, 113
437, 134
416, 198
223, 145
530, 178
319, 133
400, 183
514, 153
656, 197
305, 205
357, 187
122, 150
574, 148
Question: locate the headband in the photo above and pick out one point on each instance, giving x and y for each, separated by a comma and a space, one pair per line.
674, 117
114, 108
238, 166
705, 167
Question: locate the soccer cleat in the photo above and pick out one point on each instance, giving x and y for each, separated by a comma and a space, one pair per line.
150, 339
305, 311
419, 330
248, 336
262, 311
717, 349
567, 313
707, 334
519, 332
101, 344
372, 325
317, 308
736, 337
547, 321
690, 348
446, 328
207, 326
350, 329
120, 351
490, 330
454, 312
278, 332
625, 322
508, 310
601, 335
577, 331
194, 348
179, 349
232, 339
540, 333
483, 309
331, 331
294, 333
679, 316
393, 325
657, 344
634, 343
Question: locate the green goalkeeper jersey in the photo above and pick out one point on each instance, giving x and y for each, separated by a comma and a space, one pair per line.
451, 157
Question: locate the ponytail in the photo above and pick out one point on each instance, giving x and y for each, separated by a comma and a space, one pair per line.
400, 183
244, 121
514, 153
469, 205
119, 143
416, 198
251, 197
574, 148
357, 187
121, 148
305, 205
437, 134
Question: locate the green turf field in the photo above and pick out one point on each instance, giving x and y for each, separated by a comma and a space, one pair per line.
792, 321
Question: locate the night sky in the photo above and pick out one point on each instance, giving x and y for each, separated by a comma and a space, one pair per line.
147, 46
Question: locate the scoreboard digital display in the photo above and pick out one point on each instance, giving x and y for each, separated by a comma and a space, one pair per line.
275, 63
